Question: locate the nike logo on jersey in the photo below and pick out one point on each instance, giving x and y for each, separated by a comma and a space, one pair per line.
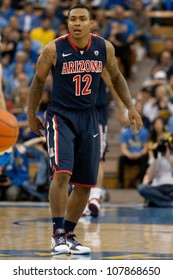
95, 135
66, 54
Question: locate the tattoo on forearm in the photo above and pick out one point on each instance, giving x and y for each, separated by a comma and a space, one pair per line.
118, 81
36, 90
122, 90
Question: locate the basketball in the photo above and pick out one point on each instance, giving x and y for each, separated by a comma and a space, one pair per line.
9, 130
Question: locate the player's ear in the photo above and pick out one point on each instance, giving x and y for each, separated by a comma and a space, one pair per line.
92, 23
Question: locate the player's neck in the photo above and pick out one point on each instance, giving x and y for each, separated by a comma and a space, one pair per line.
81, 43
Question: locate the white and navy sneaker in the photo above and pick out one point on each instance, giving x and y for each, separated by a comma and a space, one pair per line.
59, 243
75, 247
94, 207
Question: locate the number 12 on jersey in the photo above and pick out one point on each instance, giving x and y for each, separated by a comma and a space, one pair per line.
78, 79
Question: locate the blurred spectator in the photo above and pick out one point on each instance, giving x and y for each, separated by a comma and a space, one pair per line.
20, 100
110, 4
124, 30
27, 47
121, 48
6, 9
166, 62
168, 87
28, 20
36, 46
134, 151
44, 34
14, 23
164, 105
167, 46
167, 5
19, 4
100, 23
20, 79
156, 78
140, 108
157, 132
151, 4
50, 12
9, 42
63, 6
142, 23
3, 22
23, 58
15, 167
157, 186
39, 3
150, 109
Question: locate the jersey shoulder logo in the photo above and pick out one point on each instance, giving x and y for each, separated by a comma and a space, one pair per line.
96, 53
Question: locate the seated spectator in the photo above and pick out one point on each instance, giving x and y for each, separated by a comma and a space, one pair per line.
167, 46
100, 23
3, 22
50, 12
157, 132
43, 34
124, 31
23, 58
142, 23
166, 62
150, 109
35, 45
28, 20
20, 79
6, 9
110, 4
134, 151
150, 5
164, 106
156, 78
14, 23
157, 185
15, 167
20, 100
9, 43
63, 6
31, 53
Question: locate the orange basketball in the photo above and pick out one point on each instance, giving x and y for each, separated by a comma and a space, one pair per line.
9, 130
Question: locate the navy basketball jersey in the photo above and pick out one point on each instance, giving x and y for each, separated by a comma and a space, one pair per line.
77, 73
102, 96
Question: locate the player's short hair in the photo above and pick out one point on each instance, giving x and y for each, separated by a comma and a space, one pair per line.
81, 6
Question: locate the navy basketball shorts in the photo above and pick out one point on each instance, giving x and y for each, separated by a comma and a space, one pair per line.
74, 144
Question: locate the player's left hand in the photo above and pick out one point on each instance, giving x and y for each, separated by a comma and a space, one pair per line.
135, 119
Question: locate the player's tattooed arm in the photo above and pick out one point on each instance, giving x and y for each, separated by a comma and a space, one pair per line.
45, 61
118, 81
121, 87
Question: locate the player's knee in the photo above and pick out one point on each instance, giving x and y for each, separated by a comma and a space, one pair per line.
61, 179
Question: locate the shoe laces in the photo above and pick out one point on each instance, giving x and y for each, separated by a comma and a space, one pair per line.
71, 236
60, 238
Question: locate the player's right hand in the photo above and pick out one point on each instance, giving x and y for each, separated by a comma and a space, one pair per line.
35, 125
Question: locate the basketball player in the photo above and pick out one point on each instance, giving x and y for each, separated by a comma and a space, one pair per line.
77, 61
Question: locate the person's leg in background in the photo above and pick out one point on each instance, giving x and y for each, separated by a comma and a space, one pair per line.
159, 196
97, 193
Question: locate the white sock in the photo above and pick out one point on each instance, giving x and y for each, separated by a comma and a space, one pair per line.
95, 193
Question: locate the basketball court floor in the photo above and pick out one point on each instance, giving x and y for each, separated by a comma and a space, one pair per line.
122, 231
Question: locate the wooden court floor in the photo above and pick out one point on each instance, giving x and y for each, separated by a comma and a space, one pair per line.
122, 231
